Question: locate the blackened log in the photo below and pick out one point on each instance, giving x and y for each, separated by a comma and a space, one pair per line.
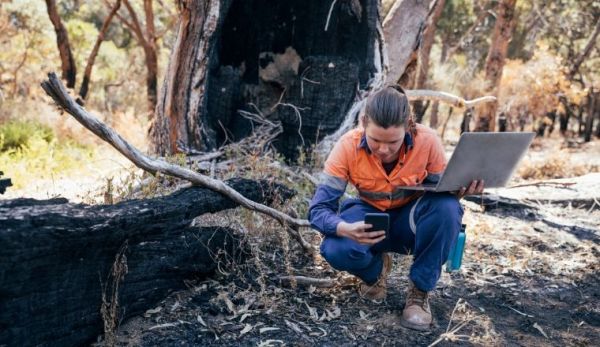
55, 258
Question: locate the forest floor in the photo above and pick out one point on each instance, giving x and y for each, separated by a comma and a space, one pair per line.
530, 273
530, 277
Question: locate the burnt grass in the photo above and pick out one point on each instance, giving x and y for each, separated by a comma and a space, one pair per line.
523, 283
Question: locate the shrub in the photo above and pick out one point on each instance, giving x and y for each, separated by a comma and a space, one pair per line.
17, 134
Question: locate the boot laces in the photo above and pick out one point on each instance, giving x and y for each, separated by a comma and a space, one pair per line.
417, 297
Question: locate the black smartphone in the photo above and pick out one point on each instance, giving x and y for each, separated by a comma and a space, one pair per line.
379, 221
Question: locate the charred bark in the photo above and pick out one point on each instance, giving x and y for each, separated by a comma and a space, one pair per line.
494, 64
56, 258
296, 62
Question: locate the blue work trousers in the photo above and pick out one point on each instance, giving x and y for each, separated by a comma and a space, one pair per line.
427, 228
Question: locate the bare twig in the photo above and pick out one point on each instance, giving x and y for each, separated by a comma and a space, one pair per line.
54, 88
329, 14
544, 183
519, 312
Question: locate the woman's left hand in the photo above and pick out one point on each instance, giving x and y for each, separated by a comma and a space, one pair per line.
476, 187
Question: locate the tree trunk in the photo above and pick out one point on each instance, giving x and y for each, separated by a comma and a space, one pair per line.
424, 52
597, 113
302, 70
69, 70
494, 64
586, 51
57, 259
403, 29
150, 50
304, 64
146, 37
433, 119
87, 74
594, 99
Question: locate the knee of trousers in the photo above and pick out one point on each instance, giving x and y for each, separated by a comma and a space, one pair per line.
447, 208
346, 255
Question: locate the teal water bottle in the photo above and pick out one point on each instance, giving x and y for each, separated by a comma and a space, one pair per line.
456, 253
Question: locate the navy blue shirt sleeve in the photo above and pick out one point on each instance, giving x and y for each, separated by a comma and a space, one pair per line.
323, 210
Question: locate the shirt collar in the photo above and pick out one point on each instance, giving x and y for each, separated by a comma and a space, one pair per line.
408, 142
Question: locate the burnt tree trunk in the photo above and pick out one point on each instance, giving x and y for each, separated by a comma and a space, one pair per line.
296, 61
69, 70
304, 64
56, 258
494, 63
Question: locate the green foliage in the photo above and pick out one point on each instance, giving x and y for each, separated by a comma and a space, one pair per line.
18, 134
38, 159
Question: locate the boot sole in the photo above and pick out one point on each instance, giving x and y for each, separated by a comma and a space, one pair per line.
419, 327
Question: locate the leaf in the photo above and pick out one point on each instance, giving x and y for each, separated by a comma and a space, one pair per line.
230, 305
293, 326
244, 316
246, 329
201, 321
266, 329
314, 315
362, 314
152, 311
539, 328
336, 313
270, 343
160, 326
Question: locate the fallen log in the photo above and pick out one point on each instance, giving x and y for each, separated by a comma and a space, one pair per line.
57, 258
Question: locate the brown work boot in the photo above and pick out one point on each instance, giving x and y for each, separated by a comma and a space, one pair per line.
378, 290
417, 313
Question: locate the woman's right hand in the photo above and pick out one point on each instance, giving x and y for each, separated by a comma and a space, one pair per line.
357, 231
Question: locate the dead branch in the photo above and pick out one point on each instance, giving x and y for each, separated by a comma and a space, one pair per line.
456, 101
55, 89
544, 183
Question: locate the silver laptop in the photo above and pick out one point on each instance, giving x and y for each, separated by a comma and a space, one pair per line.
492, 157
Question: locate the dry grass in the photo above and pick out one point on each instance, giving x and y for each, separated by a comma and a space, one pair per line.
110, 297
555, 166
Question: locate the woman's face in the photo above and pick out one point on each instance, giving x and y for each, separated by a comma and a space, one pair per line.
384, 143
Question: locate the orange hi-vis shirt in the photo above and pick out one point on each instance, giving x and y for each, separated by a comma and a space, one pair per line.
421, 158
